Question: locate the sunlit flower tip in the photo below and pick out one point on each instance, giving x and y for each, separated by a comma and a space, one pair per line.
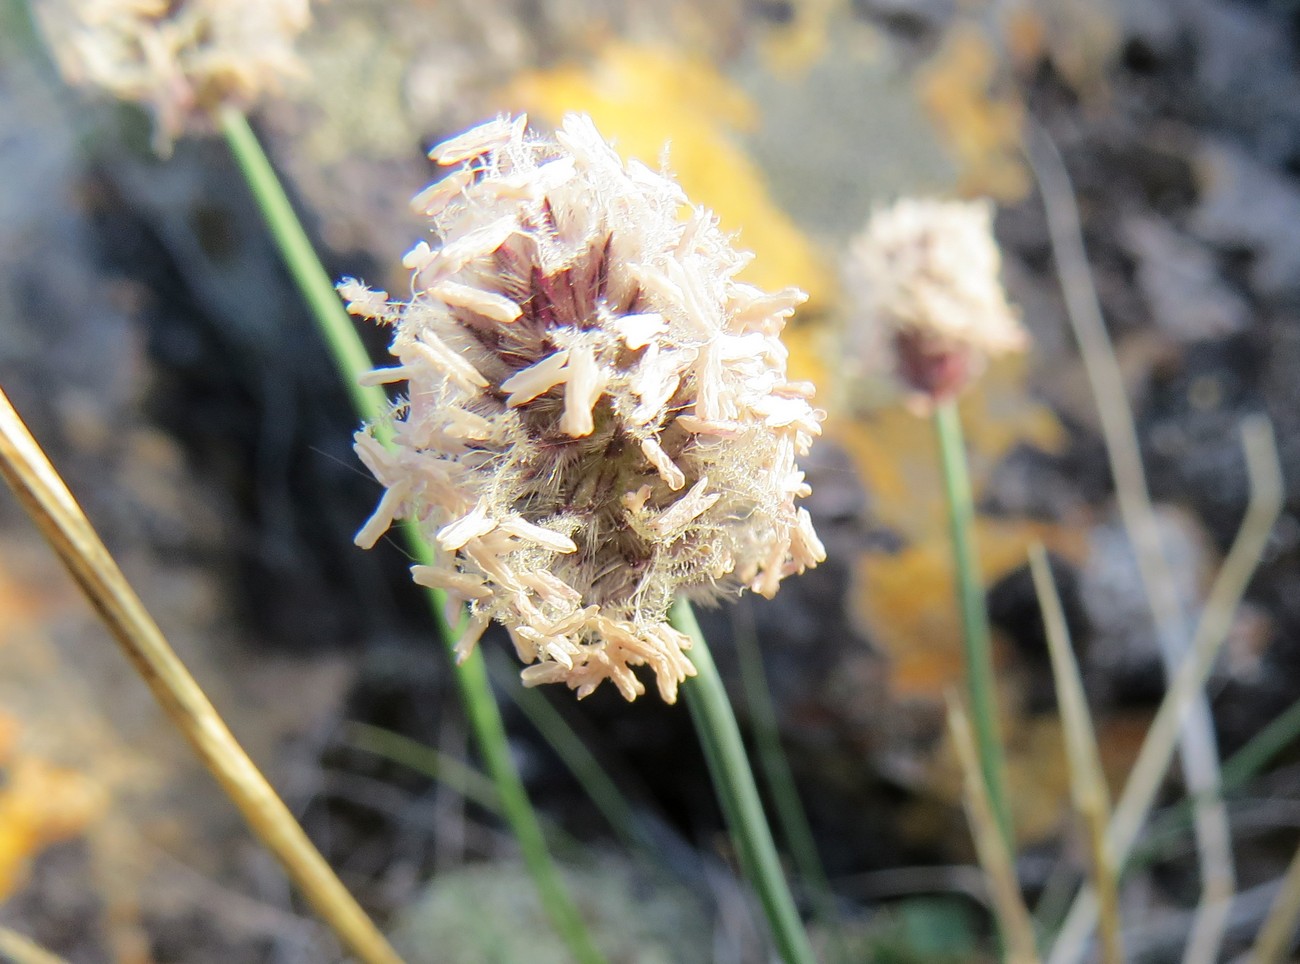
181, 59
597, 415
927, 277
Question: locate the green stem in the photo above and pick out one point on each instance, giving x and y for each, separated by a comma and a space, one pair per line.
1260, 750
974, 615
574, 754
790, 813
432, 762
372, 405
734, 782
315, 286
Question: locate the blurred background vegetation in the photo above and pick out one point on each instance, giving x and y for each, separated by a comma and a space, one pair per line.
150, 336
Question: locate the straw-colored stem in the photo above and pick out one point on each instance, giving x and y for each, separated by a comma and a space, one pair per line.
1278, 933
48, 501
372, 405
724, 751
1200, 758
995, 857
980, 684
1266, 499
1087, 782
19, 949
790, 813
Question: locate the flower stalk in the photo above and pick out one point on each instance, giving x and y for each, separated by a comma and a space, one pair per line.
791, 817
978, 650
372, 405
724, 751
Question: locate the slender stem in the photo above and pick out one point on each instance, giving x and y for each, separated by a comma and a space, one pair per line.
574, 754
995, 857
52, 507
790, 813
1259, 751
432, 762
314, 284
1087, 782
372, 404
1238, 770
974, 614
734, 782
1277, 935
1266, 501
23, 950
1199, 753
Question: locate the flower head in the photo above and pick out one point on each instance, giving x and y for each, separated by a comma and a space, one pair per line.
179, 58
927, 273
597, 415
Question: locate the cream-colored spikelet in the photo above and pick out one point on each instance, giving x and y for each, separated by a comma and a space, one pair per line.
597, 415
927, 277
181, 59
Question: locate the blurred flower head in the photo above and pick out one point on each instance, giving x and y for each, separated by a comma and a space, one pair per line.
597, 415
180, 59
926, 274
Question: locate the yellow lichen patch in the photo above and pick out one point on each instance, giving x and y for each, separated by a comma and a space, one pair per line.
1025, 33
798, 44
1079, 37
40, 804
908, 600
645, 99
980, 124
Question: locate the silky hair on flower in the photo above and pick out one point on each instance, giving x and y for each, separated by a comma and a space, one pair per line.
597, 416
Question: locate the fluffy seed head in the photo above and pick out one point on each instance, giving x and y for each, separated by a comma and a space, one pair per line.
597, 414
179, 58
927, 276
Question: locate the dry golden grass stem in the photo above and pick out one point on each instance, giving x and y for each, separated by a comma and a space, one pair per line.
1148, 772
1278, 932
1087, 781
1199, 750
16, 948
56, 513
1014, 923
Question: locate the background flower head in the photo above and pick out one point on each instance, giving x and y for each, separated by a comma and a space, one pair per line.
178, 58
597, 415
926, 274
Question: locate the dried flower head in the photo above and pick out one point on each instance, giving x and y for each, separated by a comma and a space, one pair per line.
597, 414
179, 58
927, 272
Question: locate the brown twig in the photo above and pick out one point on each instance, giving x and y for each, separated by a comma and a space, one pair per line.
52, 507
